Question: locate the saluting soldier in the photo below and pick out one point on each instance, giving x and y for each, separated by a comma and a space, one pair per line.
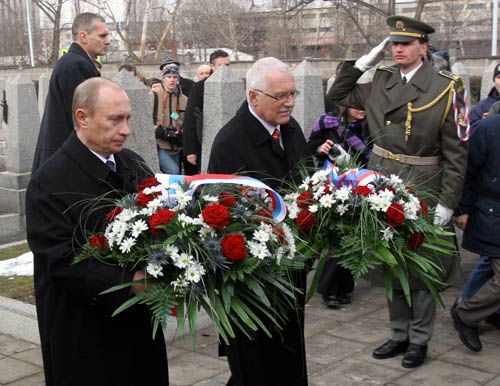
416, 117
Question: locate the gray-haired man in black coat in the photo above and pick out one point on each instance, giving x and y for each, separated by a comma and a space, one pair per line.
264, 142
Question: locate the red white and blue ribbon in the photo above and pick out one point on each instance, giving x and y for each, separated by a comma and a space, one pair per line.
352, 177
278, 205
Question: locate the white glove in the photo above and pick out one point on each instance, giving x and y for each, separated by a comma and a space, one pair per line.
442, 215
343, 157
372, 58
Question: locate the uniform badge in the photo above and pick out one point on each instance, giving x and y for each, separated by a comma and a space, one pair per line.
400, 24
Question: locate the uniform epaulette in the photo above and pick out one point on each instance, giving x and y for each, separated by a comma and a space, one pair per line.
449, 75
387, 68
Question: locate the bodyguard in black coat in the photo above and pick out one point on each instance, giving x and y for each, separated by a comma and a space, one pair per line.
90, 39
264, 142
480, 220
82, 344
481, 193
193, 118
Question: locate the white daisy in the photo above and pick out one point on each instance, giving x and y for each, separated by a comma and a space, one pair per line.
313, 208
182, 260
194, 272
138, 227
154, 270
387, 234
127, 244
326, 201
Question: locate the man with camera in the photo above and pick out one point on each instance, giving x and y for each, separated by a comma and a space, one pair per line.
168, 113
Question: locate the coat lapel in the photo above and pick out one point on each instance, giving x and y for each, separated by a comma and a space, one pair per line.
258, 133
401, 95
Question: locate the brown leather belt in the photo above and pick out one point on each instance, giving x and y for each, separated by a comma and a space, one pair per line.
406, 159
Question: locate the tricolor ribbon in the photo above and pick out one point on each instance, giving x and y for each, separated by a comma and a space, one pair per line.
278, 205
352, 177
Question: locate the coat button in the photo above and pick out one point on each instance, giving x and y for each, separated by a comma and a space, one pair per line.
491, 210
388, 123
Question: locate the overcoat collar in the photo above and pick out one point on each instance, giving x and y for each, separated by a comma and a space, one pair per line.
94, 167
77, 49
400, 95
259, 135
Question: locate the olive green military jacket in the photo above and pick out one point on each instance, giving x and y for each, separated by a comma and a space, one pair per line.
432, 133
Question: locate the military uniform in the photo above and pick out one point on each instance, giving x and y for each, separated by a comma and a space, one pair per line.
414, 132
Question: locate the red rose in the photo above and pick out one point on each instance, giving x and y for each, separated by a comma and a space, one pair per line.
112, 214
305, 220
162, 217
364, 191
227, 199
233, 247
98, 240
304, 199
148, 183
143, 199
217, 216
395, 215
424, 210
415, 241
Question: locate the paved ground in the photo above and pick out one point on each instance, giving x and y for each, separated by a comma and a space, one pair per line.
339, 345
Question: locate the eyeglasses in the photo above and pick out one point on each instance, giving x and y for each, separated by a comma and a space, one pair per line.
281, 97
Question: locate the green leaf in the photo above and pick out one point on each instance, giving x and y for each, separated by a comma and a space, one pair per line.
129, 303
117, 288
386, 255
317, 274
388, 283
403, 279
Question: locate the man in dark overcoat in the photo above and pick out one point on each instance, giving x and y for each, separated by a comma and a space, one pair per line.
264, 142
480, 220
193, 118
82, 344
90, 39
411, 122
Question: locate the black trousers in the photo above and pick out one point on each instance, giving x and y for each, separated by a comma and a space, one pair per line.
335, 280
276, 361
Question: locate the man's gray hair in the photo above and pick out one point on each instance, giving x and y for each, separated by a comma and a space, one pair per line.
256, 78
85, 22
87, 96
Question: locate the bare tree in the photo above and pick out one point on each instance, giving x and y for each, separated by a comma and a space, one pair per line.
12, 27
52, 9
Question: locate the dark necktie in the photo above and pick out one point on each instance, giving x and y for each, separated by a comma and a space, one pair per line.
404, 80
110, 164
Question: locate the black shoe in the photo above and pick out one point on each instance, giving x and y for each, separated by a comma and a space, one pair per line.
390, 349
468, 335
494, 320
331, 301
344, 299
414, 356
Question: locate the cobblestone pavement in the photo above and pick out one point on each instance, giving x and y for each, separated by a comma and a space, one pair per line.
339, 345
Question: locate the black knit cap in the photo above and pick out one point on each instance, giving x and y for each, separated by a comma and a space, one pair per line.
496, 71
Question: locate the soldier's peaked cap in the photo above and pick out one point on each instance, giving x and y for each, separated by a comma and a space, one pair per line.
405, 29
